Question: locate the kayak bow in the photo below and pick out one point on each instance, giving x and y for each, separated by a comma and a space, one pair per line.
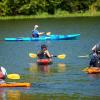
15, 84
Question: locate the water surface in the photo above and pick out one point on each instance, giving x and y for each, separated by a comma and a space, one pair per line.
62, 80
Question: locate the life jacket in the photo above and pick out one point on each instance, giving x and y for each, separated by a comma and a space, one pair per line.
42, 55
35, 33
1, 75
98, 61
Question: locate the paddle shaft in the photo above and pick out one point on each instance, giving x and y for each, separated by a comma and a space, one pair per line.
86, 56
62, 56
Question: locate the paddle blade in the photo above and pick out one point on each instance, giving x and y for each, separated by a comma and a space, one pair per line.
32, 55
86, 56
62, 56
85, 69
13, 76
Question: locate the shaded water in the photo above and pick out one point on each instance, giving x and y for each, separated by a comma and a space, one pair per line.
64, 79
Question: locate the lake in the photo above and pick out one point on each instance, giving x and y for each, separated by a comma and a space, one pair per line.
62, 80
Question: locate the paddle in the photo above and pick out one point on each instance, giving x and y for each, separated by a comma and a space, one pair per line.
85, 56
10, 76
45, 33
48, 33
85, 69
13, 76
61, 56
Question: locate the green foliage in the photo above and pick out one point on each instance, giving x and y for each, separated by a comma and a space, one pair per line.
34, 7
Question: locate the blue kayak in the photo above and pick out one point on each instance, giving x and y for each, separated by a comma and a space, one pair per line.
41, 38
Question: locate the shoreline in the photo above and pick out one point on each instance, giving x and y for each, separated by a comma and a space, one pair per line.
45, 15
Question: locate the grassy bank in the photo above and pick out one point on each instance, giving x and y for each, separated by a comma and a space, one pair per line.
59, 14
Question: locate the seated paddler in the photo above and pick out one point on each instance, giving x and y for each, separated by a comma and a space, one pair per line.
44, 53
3, 74
36, 33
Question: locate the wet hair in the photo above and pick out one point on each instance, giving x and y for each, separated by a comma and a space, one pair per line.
43, 46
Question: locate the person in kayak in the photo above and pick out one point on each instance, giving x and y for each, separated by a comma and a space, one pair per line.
36, 33
95, 59
3, 74
44, 53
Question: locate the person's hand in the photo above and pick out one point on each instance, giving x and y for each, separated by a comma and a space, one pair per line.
52, 55
48, 33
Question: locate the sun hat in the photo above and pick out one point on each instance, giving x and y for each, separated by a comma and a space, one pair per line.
36, 26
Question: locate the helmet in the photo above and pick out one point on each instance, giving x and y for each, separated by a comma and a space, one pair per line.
43, 46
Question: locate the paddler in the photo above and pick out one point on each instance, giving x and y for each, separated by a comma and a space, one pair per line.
36, 33
3, 74
95, 59
44, 53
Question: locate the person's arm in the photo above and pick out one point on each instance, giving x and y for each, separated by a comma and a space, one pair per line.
48, 54
38, 54
41, 33
94, 48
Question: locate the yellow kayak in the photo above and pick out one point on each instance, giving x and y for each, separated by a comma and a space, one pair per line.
13, 84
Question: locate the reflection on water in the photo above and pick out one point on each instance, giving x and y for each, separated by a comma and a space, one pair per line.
9, 94
2, 94
61, 67
96, 76
48, 69
44, 68
12, 94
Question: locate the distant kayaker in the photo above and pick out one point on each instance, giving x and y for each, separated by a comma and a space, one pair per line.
95, 59
44, 53
36, 33
3, 74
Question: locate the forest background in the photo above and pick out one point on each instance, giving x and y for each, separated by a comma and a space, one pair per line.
49, 8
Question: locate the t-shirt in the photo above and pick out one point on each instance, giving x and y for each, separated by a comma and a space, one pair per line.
35, 33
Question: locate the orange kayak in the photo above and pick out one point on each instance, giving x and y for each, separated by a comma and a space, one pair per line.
15, 84
44, 61
93, 70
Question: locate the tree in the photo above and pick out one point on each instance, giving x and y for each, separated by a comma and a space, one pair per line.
33, 7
